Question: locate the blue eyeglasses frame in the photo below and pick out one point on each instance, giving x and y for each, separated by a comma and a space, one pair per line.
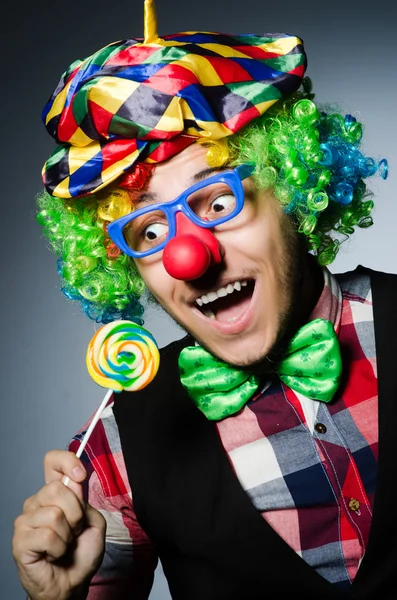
233, 178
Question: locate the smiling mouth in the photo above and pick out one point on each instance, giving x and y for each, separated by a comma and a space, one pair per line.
227, 303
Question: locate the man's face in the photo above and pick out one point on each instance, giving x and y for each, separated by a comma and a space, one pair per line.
259, 251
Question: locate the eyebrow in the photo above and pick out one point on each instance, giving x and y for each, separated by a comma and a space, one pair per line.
150, 198
205, 173
147, 198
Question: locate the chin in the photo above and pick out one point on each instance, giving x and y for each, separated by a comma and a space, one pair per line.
238, 353
248, 361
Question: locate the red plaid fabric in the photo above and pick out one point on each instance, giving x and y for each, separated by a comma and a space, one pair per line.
130, 560
309, 468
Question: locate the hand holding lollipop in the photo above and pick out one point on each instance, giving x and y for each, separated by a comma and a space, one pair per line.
120, 356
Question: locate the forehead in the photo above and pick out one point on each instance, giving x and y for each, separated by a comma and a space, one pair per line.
178, 172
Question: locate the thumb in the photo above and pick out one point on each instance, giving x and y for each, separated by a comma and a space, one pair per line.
61, 465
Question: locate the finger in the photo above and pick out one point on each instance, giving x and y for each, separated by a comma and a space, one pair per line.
95, 519
58, 495
58, 463
93, 537
50, 517
35, 543
75, 487
65, 466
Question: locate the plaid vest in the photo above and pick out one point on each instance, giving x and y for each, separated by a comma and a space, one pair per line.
212, 541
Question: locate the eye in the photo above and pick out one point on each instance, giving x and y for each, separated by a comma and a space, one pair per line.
224, 204
155, 231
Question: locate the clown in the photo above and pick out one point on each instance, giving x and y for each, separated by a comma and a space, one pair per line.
197, 168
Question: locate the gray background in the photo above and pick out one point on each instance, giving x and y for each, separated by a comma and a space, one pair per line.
46, 393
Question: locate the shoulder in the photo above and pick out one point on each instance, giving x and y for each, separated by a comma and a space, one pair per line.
172, 350
358, 283
138, 405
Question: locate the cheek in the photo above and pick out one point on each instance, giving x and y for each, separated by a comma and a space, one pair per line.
272, 232
155, 277
260, 241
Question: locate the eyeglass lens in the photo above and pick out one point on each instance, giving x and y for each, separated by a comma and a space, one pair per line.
212, 203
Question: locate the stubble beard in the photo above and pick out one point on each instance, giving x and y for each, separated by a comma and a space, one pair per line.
290, 280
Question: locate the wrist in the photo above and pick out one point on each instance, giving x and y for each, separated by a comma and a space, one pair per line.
80, 594
76, 595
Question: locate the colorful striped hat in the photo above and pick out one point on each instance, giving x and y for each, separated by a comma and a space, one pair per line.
147, 99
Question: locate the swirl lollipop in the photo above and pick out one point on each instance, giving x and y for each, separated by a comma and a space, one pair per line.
120, 356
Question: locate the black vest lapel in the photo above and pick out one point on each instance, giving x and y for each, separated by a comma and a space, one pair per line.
378, 570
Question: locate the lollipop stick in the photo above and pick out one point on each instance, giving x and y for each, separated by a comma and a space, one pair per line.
66, 480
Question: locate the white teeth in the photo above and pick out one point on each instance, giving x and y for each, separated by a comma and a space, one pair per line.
212, 296
221, 293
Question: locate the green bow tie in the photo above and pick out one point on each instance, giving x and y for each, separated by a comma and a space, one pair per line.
312, 365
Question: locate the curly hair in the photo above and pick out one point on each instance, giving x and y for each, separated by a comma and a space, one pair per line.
94, 272
312, 161
310, 158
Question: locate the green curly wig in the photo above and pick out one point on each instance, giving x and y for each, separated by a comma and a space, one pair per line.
311, 159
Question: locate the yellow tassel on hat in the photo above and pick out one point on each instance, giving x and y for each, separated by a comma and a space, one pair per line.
150, 23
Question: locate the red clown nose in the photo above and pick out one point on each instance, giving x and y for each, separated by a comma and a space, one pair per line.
189, 254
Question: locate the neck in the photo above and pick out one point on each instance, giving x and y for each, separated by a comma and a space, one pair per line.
308, 290
311, 290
